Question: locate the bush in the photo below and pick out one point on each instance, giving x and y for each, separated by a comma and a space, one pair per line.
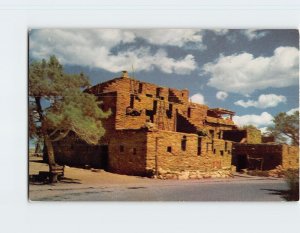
292, 179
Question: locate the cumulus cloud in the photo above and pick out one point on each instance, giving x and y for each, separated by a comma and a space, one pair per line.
291, 112
92, 47
258, 121
243, 73
252, 34
198, 98
264, 101
264, 130
221, 95
220, 32
175, 37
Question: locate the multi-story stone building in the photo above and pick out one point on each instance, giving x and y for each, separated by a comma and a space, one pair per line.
156, 130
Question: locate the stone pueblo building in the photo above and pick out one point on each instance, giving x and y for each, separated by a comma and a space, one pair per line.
157, 131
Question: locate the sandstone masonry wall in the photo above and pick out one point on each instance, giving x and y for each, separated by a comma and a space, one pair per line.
290, 157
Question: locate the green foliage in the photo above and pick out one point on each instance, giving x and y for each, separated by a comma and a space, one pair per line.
292, 179
58, 104
286, 126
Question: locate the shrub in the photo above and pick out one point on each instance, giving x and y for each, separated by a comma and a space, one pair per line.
292, 179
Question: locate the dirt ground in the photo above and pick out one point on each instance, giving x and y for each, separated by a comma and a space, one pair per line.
93, 184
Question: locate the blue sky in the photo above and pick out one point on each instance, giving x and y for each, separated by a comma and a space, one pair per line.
252, 72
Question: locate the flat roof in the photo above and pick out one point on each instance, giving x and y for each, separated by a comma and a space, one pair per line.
221, 111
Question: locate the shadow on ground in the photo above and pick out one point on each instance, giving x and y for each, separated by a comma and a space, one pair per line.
288, 195
42, 179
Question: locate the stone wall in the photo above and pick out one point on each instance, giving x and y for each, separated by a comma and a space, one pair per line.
74, 152
253, 136
165, 152
127, 152
257, 156
290, 157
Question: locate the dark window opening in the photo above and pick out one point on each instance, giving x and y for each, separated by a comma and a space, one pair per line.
189, 112
162, 98
169, 149
212, 133
134, 151
183, 143
221, 152
131, 101
140, 87
154, 106
150, 114
149, 95
226, 146
182, 94
199, 147
170, 111
228, 151
214, 151
121, 148
157, 92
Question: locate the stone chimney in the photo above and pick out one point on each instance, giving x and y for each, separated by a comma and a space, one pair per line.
124, 74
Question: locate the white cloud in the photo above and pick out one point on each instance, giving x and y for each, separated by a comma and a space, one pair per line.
261, 120
220, 32
291, 112
221, 95
264, 130
243, 73
252, 34
264, 101
198, 98
92, 47
175, 37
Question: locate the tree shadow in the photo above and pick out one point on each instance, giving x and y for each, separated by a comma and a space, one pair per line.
288, 195
43, 179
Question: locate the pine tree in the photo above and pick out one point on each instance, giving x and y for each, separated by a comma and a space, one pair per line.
58, 105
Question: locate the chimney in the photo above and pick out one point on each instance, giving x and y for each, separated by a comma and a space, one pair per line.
124, 74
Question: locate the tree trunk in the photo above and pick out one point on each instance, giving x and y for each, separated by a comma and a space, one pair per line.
51, 159
48, 143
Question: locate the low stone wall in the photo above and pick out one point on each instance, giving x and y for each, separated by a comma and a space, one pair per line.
194, 174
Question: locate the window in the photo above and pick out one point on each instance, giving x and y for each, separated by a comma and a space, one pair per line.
214, 151
131, 101
183, 143
157, 92
121, 148
226, 146
212, 133
221, 152
169, 149
140, 87
199, 147
149, 95
189, 112
134, 151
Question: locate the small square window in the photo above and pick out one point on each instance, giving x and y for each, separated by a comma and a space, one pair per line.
121, 148
221, 152
214, 151
169, 149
